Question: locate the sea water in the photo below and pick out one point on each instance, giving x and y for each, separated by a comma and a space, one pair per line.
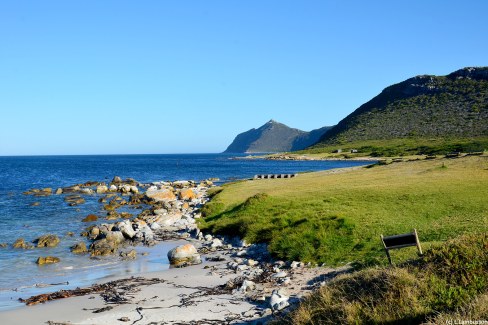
21, 277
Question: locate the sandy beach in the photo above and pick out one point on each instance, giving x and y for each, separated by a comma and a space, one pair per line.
208, 293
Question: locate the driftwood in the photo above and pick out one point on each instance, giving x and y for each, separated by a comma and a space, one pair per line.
112, 292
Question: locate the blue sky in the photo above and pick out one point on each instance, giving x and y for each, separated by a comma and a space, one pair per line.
95, 77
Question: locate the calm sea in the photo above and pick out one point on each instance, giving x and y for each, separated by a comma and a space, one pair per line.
21, 277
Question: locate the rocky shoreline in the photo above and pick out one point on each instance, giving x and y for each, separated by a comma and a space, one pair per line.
252, 279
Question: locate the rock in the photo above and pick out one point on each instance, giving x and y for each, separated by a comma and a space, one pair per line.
184, 255
74, 200
278, 300
47, 241
3, 245
131, 255
125, 188
35, 204
208, 237
115, 236
134, 189
252, 262
247, 285
155, 226
281, 274
181, 184
47, 260
169, 219
145, 234
216, 243
90, 218
295, 264
161, 195
187, 194
79, 248
86, 191
103, 247
59, 191
113, 188
70, 234
101, 189
185, 206
286, 281
117, 180
126, 229
124, 319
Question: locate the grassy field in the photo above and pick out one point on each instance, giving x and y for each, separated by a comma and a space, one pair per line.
400, 147
337, 216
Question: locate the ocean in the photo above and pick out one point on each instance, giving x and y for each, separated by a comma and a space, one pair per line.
21, 277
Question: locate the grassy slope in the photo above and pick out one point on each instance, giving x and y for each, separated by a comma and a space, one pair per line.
337, 217
449, 282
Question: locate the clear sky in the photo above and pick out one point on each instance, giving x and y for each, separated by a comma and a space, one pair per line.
95, 77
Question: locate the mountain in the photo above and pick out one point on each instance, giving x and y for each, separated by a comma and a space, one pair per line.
452, 106
274, 137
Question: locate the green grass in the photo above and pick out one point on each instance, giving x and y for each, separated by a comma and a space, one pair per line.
337, 217
402, 147
449, 282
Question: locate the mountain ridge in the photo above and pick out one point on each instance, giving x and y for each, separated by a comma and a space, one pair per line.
274, 137
455, 105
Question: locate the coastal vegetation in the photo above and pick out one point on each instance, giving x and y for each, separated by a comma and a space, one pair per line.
336, 217
448, 107
449, 282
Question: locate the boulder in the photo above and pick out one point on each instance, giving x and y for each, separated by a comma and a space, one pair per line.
187, 194
126, 229
155, 226
3, 245
86, 191
79, 248
161, 195
184, 255
20, 243
47, 241
74, 200
134, 189
47, 260
113, 188
247, 285
103, 247
90, 218
59, 191
101, 189
168, 219
117, 180
216, 243
131, 255
278, 300
115, 236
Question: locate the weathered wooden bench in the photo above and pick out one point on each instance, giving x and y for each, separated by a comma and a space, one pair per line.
401, 241
270, 176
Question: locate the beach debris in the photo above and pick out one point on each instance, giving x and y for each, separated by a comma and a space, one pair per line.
47, 260
184, 255
79, 248
124, 319
112, 292
48, 240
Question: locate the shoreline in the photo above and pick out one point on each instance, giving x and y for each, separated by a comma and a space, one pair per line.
225, 263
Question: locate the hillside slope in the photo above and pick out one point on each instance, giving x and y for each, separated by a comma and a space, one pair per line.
274, 137
423, 107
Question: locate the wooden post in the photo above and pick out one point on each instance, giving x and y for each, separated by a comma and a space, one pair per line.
418, 241
386, 249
